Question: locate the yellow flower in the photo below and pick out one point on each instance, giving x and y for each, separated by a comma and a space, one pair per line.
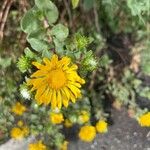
20, 123
18, 109
101, 126
68, 123
144, 120
37, 146
87, 133
56, 82
64, 145
56, 118
84, 117
17, 133
25, 130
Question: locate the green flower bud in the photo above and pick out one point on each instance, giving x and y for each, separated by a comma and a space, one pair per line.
23, 64
89, 63
81, 41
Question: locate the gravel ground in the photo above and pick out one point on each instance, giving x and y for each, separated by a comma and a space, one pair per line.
125, 134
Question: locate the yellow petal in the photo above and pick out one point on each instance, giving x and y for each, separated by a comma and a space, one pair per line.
65, 100
53, 101
37, 65
39, 73
59, 99
65, 90
74, 90
49, 97
47, 61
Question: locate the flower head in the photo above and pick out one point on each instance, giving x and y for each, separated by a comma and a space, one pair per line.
56, 118
101, 126
56, 82
19, 133
144, 120
64, 145
18, 109
87, 133
37, 146
68, 123
84, 117
20, 123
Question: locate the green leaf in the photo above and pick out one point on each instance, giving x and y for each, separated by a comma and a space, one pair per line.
75, 3
88, 4
59, 46
60, 32
30, 22
37, 40
5, 62
29, 53
37, 44
49, 9
46, 53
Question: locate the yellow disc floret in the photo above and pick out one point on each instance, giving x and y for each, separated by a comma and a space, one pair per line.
64, 146
87, 133
18, 109
37, 146
56, 118
84, 117
101, 126
19, 133
144, 120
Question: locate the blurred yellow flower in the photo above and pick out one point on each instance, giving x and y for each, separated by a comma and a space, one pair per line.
18, 109
56, 82
19, 133
68, 123
56, 118
84, 117
144, 120
37, 146
25, 130
20, 123
87, 133
64, 146
101, 126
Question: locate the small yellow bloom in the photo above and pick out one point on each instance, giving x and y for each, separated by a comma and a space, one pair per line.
87, 133
25, 130
56, 82
101, 126
17, 133
37, 146
84, 117
64, 145
20, 123
56, 118
18, 109
144, 120
68, 123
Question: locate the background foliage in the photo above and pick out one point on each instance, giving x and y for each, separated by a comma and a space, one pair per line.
109, 40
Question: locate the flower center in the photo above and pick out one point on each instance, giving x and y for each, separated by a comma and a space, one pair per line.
56, 79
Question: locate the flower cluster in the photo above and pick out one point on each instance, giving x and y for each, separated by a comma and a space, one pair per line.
88, 133
37, 146
18, 109
19, 132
